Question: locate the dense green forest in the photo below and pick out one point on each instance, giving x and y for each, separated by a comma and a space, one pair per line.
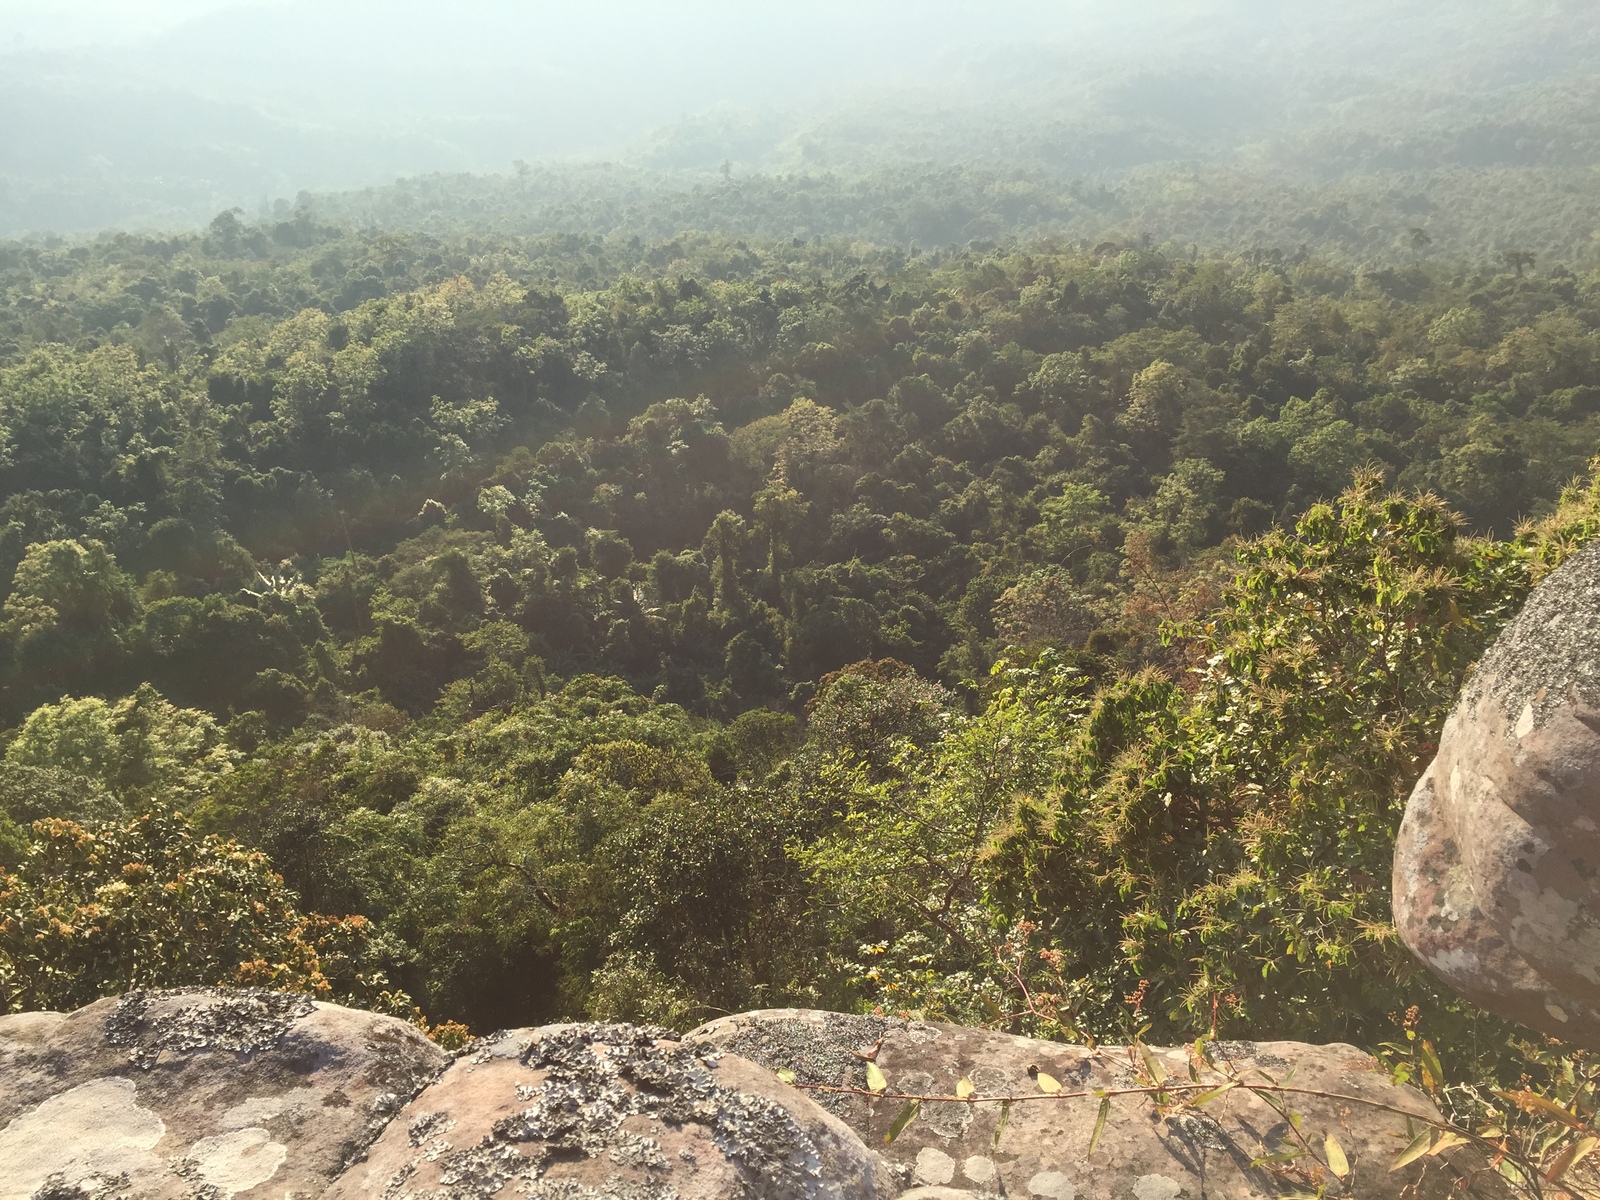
542, 626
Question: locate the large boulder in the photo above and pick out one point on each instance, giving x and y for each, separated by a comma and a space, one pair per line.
1497, 867
1041, 1152
226, 1095
573, 1112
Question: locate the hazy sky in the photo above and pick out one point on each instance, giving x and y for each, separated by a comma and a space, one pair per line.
553, 78
57, 23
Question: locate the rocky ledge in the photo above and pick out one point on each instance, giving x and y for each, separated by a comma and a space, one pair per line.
215, 1095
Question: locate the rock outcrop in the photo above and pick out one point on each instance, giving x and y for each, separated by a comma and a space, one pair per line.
1497, 867
214, 1095
568, 1112
1042, 1151
204, 1094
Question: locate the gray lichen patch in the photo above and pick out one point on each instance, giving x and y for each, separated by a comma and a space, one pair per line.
597, 1076
614, 1102
242, 1021
826, 1051
1550, 650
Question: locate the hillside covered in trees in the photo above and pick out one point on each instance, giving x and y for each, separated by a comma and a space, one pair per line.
654, 628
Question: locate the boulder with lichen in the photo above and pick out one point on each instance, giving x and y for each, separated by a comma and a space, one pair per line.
569, 1111
1497, 866
206, 1093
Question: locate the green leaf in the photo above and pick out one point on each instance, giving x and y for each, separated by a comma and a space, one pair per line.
1205, 1098
1432, 1069
965, 1088
907, 1115
876, 1082
1099, 1124
1418, 1147
1446, 1141
1337, 1162
1152, 1064
1000, 1126
786, 1075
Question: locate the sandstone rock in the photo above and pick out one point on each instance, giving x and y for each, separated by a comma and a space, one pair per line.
1497, 867
214, 1094
615, 1111
1042, 1151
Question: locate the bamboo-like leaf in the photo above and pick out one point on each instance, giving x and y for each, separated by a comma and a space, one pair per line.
876, 1082
1337, 1162
1158, 1073
1419, 1146
965, 1088
1099, 1124
1571, 1157
1000, 1126
1446, 1141
786, 1076
1205, 1098
1286, 1156
1432, 1069
1048, 1083
907, 1115
1537, 1106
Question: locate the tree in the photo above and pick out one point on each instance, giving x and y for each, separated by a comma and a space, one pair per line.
778, 510
141, 746
1239, 840
151, 904
1518, 260
723, 543
70, 585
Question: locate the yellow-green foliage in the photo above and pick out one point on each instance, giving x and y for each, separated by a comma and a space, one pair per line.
94, 912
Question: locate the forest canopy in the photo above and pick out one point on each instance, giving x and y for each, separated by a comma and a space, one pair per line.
624, 627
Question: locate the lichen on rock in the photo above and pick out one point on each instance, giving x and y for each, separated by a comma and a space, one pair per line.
1497, 864
242, 1020
614, 1111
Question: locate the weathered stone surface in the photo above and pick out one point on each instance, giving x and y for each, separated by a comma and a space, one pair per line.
1497, 867
1143, 1154
201, 1094
589, 1111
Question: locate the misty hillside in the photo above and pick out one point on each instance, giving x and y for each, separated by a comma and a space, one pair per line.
1227, 124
